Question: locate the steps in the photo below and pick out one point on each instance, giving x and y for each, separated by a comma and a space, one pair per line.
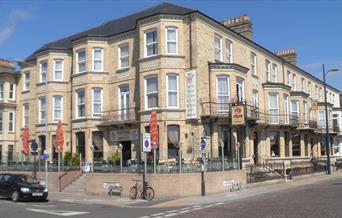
77, 186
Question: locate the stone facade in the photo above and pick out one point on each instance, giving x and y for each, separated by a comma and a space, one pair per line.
267, 132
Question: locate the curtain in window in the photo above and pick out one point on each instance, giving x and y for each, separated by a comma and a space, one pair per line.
222, 93
151, 43
152, 92
97, 101
172, 86
58, 107
173, 140
273, 98
97, 59
171, 41
124, 56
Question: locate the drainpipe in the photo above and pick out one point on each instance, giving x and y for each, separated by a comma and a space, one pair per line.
71, 97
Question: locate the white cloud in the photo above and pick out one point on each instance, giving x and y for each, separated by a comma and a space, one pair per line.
12, 19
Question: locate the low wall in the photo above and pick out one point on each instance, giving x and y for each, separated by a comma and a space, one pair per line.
167, 185
53, 178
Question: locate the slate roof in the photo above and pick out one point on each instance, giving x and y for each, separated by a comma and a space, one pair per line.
115, 26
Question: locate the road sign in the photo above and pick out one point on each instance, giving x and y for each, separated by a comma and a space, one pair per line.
146, 142
202, 144
34, 146
204, 133
44, 156
34, 153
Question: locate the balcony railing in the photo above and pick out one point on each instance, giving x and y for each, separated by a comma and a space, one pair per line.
336, 128
273, 118
126, 115
214, 109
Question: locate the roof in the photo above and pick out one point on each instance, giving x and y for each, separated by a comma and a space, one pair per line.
115, 26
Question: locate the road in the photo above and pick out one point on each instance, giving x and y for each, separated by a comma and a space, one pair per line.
305, 198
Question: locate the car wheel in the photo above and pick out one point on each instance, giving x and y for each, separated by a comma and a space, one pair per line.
15, 196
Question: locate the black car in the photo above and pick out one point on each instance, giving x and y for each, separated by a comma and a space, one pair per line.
21, 187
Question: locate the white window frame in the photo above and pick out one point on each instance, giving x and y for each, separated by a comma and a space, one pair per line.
26, 115
303, 85
275, 108
219, 108
11, 123
243, 97
316, 92
289, 78
152, 43
26, 84
274, 73
173, 91
77, 105
120, 57
167, 41
255, 98
294, 82
93, 114
145, 94
286, 109
305, 114
268, 70
41, 72
297, 109
54, 70
218, 49
322, 119
40, 109
11, 92
99, 60
309, 89
253, 58
56, 119
229, 51
78, 62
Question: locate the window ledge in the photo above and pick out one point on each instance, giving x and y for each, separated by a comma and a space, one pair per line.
122, 70
255, 76
88, 72
25, 91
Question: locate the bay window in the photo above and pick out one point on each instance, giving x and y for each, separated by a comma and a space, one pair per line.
273, 105
172, 91
97, 59
58, 70
97, 101
171, 40
42, 109
80, 104
151, 92
43, 71
223, 94
81, 61
57, 108
151, 43
11, 121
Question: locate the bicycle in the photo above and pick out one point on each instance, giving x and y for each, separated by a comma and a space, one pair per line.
138, 191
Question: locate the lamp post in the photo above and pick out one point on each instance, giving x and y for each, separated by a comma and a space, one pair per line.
327, 144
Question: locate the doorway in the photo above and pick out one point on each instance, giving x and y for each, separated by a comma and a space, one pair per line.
224, 135
126, 152
255, 144
80, 143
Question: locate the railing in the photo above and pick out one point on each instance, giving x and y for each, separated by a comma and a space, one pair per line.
336, 128
119, 115
252, 112
279, 119
212, 108
28, 166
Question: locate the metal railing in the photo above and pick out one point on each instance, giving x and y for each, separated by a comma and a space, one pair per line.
28, 166
119, 115
213, 108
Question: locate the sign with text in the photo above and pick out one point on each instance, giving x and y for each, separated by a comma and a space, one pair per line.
146, 142
238, 115
190, 95
123, 135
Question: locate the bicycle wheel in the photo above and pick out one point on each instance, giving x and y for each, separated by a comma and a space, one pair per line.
149, 194
133, 193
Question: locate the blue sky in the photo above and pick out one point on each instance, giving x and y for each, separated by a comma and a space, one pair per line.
313, 28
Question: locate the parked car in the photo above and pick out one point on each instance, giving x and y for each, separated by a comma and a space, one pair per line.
21, 187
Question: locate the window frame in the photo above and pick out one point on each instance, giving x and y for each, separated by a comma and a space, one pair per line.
156, 92
26, 82
229, 52
82, 105
153, 43
173, 91
11, 91
274, 73
120, 57
53, 108
40, 120
26, 117
11, 123
101, 60
303, 85
78, 62
305, 112
275, 108
61, 71
218, 94
253, 60
170, 41
286, 109
218, 49
41, 72
268, 70
93, 114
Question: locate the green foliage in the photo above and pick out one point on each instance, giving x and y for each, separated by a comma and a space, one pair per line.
67, 157
75, 160
116, 156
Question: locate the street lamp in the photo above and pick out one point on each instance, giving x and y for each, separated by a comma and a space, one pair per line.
327, 144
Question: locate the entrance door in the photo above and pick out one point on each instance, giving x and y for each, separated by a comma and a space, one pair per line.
126, 152
255, 144
224, 135
124, 102
80, 143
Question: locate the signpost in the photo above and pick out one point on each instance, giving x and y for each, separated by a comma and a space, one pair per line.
45, 157
34, 152
146, 144
202, 147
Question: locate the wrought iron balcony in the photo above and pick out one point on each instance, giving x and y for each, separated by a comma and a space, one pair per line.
214, 109
272, 118
119, 116
336, 128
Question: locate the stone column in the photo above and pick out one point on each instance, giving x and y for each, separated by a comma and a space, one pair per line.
319, 153
247, 144
214, 140
234, 141
262, 145
282, 143
290, 144
268, 144
309, 146
302, 145
163, 141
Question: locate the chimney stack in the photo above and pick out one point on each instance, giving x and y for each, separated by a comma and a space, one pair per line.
288, 55
241, 25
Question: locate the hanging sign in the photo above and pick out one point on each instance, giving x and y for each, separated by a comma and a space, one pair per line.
190, 95
238, 115
146, 142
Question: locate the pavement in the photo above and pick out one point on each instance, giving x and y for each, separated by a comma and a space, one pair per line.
250, 191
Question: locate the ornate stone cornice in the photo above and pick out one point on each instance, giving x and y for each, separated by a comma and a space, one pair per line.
226, 66
89, 38
271, 85
299, 93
